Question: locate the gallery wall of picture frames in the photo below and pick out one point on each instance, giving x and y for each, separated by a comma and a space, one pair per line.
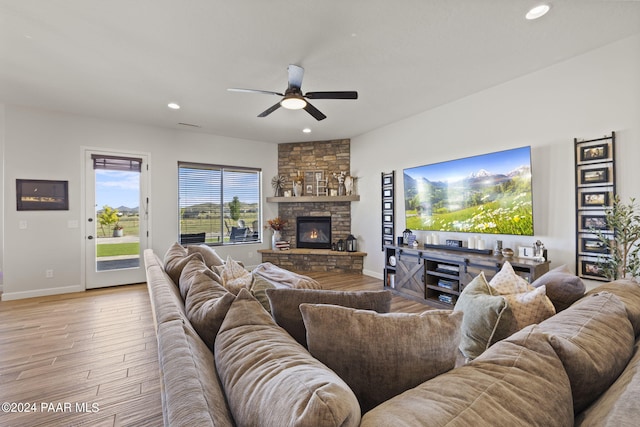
388, 210
595, 193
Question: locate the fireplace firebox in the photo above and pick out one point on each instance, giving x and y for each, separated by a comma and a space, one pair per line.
313, 232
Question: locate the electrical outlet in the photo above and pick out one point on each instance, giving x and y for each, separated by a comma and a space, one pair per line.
48, 274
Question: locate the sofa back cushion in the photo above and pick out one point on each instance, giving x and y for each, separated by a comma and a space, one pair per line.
382, 355
206, 305
285, 305
629, 293
271, 380
594, 340
210, 256
176, 259
517, 382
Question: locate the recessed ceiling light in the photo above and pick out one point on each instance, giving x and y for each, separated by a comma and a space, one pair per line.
306, 130
173, 106
537, 12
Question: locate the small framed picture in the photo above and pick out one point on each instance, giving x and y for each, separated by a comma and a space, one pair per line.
596, 151
387, 179
595, 199
387, 230
387, 192
589, 267
309, 184
589, 176
593, 222
387, 206
42, 195
593, 245
387, 218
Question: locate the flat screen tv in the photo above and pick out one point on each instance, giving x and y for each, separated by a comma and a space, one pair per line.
490, 193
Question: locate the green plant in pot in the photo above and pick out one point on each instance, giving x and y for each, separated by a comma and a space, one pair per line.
623, 261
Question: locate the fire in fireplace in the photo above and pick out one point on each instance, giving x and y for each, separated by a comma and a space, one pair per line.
313, 232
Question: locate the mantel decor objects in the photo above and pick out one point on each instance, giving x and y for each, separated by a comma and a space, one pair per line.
595, 195
42, 195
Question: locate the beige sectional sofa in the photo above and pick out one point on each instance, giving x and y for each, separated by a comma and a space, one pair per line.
578, 367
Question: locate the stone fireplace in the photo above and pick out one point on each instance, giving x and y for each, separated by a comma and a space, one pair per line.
313, 232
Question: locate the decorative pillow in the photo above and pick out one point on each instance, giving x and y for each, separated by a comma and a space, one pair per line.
271, 380
506, 281
194, 265
382, 355
527, 305
235, 276
482, 314
175, 259
594, 340
285, 305
629, 293
563, 287
517, 382
206, 305
211, 257
259, 288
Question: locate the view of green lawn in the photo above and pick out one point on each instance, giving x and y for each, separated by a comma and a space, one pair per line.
117, 249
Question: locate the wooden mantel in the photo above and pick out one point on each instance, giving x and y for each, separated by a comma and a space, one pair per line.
312, 199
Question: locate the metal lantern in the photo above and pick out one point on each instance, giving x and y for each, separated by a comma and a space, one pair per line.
352, 243
340, 245
406, 236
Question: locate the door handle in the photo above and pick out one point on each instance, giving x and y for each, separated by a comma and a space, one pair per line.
90, 237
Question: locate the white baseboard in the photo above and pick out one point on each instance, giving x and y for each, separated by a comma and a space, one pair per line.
371, 273
41, 292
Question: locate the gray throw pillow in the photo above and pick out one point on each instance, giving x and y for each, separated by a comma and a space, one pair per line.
285, 305
382, 355
563, 287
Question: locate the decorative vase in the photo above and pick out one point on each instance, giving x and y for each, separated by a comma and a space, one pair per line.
276, 237
297, 189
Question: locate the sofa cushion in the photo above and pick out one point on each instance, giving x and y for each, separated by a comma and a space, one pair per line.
283, 278
271, 380
629, 293
235, 276
563, 287
176, 259
285, 305
193, 266
517, 382
619, 404
206, 305
594, 340
382, 355
210, 256
482, 314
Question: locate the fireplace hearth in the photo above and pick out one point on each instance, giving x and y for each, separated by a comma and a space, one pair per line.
313, 232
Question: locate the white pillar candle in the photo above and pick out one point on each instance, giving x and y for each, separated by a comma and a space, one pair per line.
471, 242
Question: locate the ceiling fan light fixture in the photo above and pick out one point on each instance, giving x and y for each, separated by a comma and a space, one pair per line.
537, 12
293, 103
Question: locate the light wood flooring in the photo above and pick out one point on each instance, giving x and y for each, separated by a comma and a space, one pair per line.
90, 358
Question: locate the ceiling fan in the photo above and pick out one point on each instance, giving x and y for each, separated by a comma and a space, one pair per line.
294, 99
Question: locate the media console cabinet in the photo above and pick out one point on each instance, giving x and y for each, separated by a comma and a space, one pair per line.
437, 276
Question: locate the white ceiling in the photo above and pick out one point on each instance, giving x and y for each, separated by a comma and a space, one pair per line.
126, 59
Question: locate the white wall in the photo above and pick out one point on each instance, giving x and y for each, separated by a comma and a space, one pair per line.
48, 145
585, 97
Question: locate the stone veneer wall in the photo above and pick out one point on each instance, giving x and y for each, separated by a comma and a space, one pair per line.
328, 156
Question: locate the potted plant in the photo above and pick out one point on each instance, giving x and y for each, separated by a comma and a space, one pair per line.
118, 230
623, 259
107, 217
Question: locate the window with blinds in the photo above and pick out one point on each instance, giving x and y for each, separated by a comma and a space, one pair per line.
218, 204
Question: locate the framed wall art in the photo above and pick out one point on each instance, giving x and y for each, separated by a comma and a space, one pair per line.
595, 193
388, 212
42, 195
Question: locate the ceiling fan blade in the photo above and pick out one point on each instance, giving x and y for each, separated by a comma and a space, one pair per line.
295, 75
269, 110
314, 112
332, 95
266, 92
